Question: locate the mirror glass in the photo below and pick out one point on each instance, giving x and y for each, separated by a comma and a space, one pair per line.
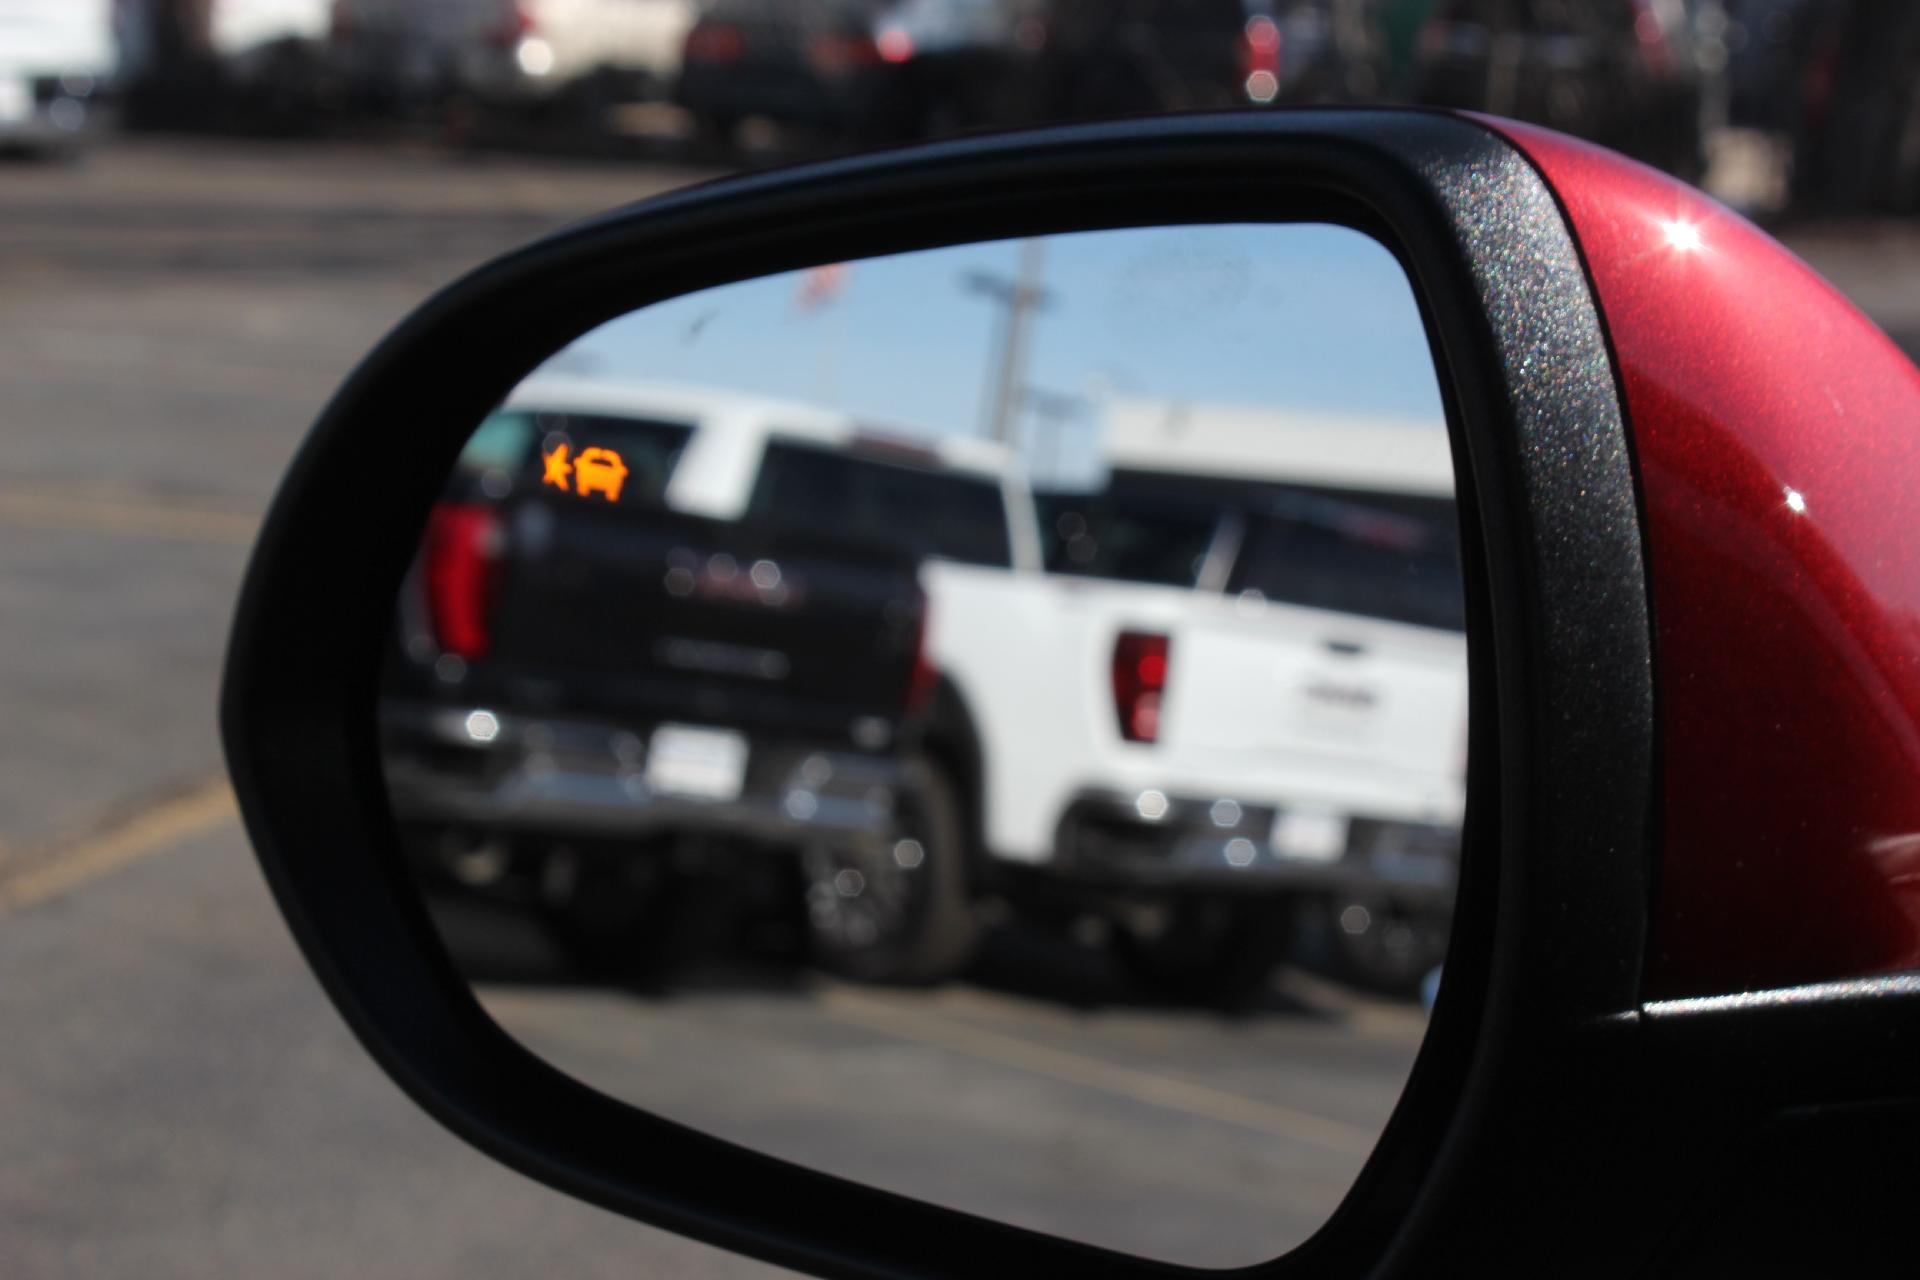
987, 722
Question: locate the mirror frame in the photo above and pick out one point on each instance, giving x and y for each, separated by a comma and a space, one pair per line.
1538, 1011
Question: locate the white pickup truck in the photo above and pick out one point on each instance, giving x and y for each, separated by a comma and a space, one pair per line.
1234, 696
1262, 707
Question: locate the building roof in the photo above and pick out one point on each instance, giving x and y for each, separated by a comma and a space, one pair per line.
1305, 447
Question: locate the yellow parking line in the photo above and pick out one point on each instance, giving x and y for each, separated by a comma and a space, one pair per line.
1091, 1073
61, 870
122, 516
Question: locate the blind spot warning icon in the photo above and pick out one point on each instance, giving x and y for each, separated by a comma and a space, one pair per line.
599, 470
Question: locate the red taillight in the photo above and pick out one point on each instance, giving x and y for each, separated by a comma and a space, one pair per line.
715, 42
1260, 59
1260, 51
925, 677
835, 53
1139, 681
1650, 33
461, 567
894, 45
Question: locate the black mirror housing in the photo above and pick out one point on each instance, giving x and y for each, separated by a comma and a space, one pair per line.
1526, 1057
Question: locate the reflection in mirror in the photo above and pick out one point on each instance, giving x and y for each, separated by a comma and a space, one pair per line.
987, 722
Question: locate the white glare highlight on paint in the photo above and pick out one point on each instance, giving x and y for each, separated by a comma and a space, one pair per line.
1683, 236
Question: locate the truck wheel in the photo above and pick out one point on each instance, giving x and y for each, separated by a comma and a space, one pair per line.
1220, 954
897, 909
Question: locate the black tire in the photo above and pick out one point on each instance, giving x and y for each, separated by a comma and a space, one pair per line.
1215, 953
899, 911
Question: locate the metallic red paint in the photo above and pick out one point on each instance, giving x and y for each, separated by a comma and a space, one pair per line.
1777, 435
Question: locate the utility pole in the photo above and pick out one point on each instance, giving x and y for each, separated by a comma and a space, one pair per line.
1051, 411
1007, 365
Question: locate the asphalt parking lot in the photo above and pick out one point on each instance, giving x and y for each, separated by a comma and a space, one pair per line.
176, 1098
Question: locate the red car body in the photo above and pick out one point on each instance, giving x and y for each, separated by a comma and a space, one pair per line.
1777, 434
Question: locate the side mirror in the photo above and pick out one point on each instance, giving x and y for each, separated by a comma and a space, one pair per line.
1405, 516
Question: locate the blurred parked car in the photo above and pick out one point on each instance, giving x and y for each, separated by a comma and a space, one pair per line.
872, 70
1857, 106
889, 70
1623, 73
243, 31
248, 64
516, 55
1126, 57
270, 54
1764, 41
55, 57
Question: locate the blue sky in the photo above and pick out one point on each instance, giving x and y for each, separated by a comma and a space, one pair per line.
1296, 316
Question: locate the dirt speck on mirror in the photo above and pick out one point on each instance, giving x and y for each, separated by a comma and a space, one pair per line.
987, 722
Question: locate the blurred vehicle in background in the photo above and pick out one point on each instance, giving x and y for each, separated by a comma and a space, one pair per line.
55, 58
890, 70
1763, 41
271, 53
869, 70
1239, 700
1857, 107
571, 57
1330, 51
1624, 73
1146, 56
1126, 57
246, 64
1778, 105
248, 33
632, 648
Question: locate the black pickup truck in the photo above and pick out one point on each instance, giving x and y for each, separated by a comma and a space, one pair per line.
594, 696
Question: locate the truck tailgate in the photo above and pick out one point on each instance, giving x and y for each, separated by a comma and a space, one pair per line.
656, 615
1268, 689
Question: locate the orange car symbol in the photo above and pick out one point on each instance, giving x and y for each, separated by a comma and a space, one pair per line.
601, 470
